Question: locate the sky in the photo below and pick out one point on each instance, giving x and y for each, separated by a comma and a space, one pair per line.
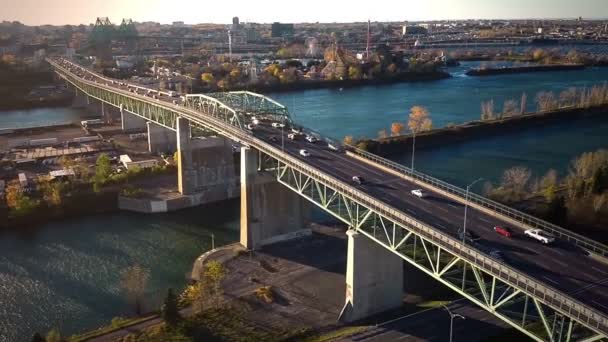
62, 12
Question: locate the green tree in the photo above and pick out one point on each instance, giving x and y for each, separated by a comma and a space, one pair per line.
354, 72
103, 169
169, 310
17, 200
207, 77
53, 336
134, 280
52, 191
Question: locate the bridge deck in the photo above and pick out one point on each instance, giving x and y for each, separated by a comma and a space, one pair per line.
561, 266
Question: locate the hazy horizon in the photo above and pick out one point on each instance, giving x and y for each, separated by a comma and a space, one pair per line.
73, 12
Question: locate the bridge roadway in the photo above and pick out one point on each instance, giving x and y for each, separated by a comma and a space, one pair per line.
562, 265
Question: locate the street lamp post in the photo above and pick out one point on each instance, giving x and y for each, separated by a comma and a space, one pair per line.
283, 134
452, 316
212, 241
466, 206
413, 151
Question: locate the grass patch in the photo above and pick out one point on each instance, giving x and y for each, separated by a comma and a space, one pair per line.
433, 304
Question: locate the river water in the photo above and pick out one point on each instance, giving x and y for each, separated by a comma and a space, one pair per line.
66, 274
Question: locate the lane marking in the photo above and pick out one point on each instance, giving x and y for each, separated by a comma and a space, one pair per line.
560, 262
440, 226
484, 220
453, 206
442, 209
551, 280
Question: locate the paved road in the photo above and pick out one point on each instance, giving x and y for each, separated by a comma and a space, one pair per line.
561, 265
434, 325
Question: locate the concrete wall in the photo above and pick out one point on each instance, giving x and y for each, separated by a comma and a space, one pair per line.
131, 122
270, 212
160, 139
205, 165
374, 279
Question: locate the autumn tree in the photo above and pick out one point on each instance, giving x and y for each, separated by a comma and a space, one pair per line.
52, 191
523, 103
348, 140
419, 121
53, 336
18, 201
354, 72
213, 275
548, 185
134, 280
207, 77
396, 128
546, 101
516, 179
487, 110
510, 108
568, 97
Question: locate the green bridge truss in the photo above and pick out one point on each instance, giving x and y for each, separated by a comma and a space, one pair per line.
538, 310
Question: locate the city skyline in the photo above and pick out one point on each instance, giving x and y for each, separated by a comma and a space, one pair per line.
63, 12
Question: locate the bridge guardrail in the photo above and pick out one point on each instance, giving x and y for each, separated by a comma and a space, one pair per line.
550, 296
529, 220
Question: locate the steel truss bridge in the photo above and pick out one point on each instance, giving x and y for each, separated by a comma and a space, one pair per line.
532, 306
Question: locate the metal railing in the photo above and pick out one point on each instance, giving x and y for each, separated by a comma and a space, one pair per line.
498, 208
546, 294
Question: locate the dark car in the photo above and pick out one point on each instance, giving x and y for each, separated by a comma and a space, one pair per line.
504, 231
273, 139
468, 236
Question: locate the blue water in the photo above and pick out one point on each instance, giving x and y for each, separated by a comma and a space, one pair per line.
364, 111
66, 274
39, 117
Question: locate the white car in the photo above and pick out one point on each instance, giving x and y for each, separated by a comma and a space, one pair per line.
291, 136
250, 127
419, 193
277, 125
540, 236
255, 121
332, 147
304, 153
311, 139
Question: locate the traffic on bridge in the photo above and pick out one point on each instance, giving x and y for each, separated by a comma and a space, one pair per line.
548, 286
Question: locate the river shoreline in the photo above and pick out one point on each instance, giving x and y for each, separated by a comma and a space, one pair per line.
524, 69
473, 130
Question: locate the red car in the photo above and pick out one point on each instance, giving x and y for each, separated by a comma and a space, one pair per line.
504, 231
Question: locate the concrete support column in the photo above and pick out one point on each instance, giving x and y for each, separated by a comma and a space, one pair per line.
131, 122
270, 212
205, 165
374, 279
160, 139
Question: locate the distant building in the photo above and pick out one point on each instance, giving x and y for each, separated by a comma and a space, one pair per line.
413, 29
236, 26
179, 24
235, 21
281, 30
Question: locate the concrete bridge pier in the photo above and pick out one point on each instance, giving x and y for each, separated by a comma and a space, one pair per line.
131, 122
269, 211
160, 139
374, 279
206, 167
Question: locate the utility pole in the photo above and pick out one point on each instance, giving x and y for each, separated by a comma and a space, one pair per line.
452, 316
466, 205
